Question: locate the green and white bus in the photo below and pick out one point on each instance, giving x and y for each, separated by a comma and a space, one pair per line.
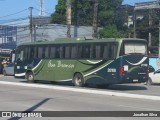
83, 61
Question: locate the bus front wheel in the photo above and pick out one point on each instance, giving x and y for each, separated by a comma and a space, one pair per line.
78, 80
30, 77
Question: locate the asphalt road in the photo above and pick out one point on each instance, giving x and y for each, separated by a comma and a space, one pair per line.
25, 98
138, 88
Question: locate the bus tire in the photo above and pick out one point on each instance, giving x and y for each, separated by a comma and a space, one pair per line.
149, 81
78, 80
30, 77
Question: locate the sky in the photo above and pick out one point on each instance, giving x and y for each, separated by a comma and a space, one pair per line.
16, 9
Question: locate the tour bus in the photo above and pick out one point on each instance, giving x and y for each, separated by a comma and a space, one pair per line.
84, 61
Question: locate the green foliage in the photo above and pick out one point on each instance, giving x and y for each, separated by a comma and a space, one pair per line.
59, 16
82, 15
110, 32
143, 28
82, 12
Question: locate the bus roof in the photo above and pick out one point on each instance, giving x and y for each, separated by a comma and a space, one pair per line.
79, 40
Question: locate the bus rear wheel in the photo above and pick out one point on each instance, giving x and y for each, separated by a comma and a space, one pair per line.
30, 77
78, 80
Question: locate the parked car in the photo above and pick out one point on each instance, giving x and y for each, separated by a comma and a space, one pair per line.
8, 70
154, 77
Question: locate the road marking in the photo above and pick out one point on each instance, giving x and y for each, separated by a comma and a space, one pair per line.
82, 90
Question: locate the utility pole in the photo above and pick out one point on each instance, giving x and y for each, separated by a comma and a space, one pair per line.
159, 38
134, 22
41, 8
68, 12
150, 25
75, 19
30, 8
95, 17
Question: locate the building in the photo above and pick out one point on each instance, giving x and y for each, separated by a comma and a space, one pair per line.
11, 36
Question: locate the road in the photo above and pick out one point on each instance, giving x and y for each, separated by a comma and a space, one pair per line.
26, 98
126, 88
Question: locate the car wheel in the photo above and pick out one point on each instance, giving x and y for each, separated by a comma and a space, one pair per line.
78, 80
149, 82
30, 77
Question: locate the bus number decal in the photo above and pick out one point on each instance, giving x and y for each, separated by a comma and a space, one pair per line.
111, 70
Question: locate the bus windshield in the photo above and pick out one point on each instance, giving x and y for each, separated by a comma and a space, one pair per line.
19, 55
135, 48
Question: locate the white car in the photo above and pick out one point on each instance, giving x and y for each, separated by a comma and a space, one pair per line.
154, 77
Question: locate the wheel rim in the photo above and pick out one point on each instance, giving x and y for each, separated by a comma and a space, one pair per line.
30, 77
78, 81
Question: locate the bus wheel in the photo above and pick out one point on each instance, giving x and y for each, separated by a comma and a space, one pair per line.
30, 77
149, 81
78, 80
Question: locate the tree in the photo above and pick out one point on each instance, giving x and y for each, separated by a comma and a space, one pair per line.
59, 16
82, 15
143, 28
84, 12
110, 32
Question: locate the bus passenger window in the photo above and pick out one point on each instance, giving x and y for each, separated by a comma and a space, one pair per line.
52, 52
46, 52
98, 51
80, 54
40, 52
73, 52
93, 51
67, 52
106, 52
86, 51
57, 54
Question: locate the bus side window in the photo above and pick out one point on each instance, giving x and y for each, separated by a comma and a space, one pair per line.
30, 52
62, 52
80, 54
86, 51
74, 52
40, 52
106, 52
57, 52
93, 51
98, 51
52, 52
46, 52
67, 52
113, 51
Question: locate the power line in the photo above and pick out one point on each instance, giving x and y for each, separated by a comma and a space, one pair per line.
13, 13
12, 20
43, 11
